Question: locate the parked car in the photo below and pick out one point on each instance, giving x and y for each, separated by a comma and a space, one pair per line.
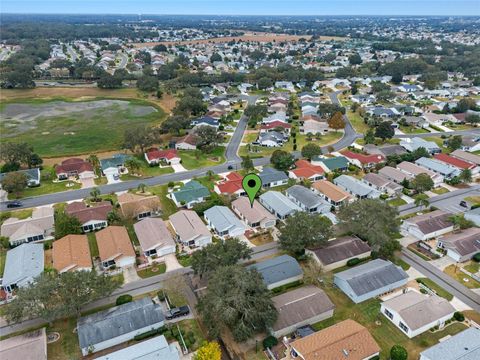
177, 312
230, 167
465, 204
14, 204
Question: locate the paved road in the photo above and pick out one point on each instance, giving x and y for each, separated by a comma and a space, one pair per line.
465, 295
123, 61
422, 135
447, 202
134, 288
350, 135
73, 53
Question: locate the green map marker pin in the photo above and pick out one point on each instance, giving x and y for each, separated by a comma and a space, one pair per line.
251, 183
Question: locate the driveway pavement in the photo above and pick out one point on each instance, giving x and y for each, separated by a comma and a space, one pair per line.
87, 183
130, 275
443, 262
178, 168
171, 262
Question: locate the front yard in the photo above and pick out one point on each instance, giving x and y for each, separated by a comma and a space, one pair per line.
153, 270
455, 273
396, 202
198, 159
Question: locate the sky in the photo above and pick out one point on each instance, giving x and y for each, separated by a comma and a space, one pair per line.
245, 7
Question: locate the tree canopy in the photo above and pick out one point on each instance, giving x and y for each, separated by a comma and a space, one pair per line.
282, 160
311, 150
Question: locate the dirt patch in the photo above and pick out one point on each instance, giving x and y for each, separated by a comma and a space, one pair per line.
247, 37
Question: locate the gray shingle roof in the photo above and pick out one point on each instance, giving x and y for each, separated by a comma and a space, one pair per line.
438, 167
222, 218
306, 197
341, 249
463, 346
279, 203
372, 276
119, 320
277, 269
354, 186
23, 264
269, 175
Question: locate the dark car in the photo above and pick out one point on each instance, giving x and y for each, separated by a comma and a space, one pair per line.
14, 204
177, 312
230, 167
463, 203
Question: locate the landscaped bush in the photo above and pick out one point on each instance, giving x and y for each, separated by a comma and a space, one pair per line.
353, 262
384, 196
161, 295
269, 342
398, 352
287, 286
458, 316
123, 299
476, 257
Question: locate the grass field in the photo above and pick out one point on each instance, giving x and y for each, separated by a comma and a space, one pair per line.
396, 202
433, 286
67, 346
385, 333
197, 159
3, 256
92, 243
440, 190
168, 206
152, 271
56, 128
461, 277
357, 122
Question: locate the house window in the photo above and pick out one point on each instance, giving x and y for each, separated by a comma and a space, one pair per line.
107, 264
144, 215
255, 224
403, 327
151, 252
389, 314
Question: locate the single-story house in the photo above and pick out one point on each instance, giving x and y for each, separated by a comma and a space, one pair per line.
332, 193
412, 144
117, 325
278, 204
344, 340
338, 163
154, 237
384, 150
190, 194
74, 167
155, 348
115, 165
311, 126
371, 279
307, 200
278, 271
414, 170
306, 171
223, 221
415, 313
382, 184
457, 163
356, 188
272, 177
22, 265
33, 176
428, 226
38, 227
205, 121
91, 217
361, 160
462, 245
473, 215
254, 216
336, 253
394, 175
188, 142
134, 206
28, 346
306, 305
438, 167
276, 125
71, 253
271, 139
462, 346
231, 184
169, 156
466, 156
190, 229
115, 247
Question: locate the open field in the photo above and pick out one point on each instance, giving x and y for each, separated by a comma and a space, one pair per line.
247, 37
74, 127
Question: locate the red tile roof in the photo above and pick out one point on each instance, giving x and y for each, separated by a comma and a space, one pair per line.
275, 124
364, 159
231, 184
461, 164
155, 154
306, 170
85, 214
73, 164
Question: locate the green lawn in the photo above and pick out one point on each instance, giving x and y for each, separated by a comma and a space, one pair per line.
3, 256
357, 122
385, 333
433, 286
152, 271
48, 188
461, 277
184, 260
473, 267
197, 159
67, 346
168, 206
440, 190
19, 214
78, 132
396, 202
412, 130
92, 243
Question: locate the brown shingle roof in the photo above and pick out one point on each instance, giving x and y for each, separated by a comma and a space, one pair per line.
131, 205
71, 252
299, 305
432, 221
464, 242
330, 190
113, 242
341, 249
85, 214
345, 340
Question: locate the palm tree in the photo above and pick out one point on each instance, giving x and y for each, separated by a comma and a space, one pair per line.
95, 193
422, 200
466, 176
141, 187
133, 164
210, 174
93, 159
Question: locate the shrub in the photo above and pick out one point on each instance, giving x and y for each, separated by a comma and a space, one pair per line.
171, 184
150, 333
353, 262
123, 299
161, 295
384, 196
458, 316
398, 352
476, 257
269, 342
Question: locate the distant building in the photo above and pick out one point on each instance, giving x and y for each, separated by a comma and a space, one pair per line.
278, 271
462, 346
28, 346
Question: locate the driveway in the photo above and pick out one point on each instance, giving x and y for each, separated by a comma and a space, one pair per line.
443, 262
171, 262
178, 168
87, 183
130, 275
